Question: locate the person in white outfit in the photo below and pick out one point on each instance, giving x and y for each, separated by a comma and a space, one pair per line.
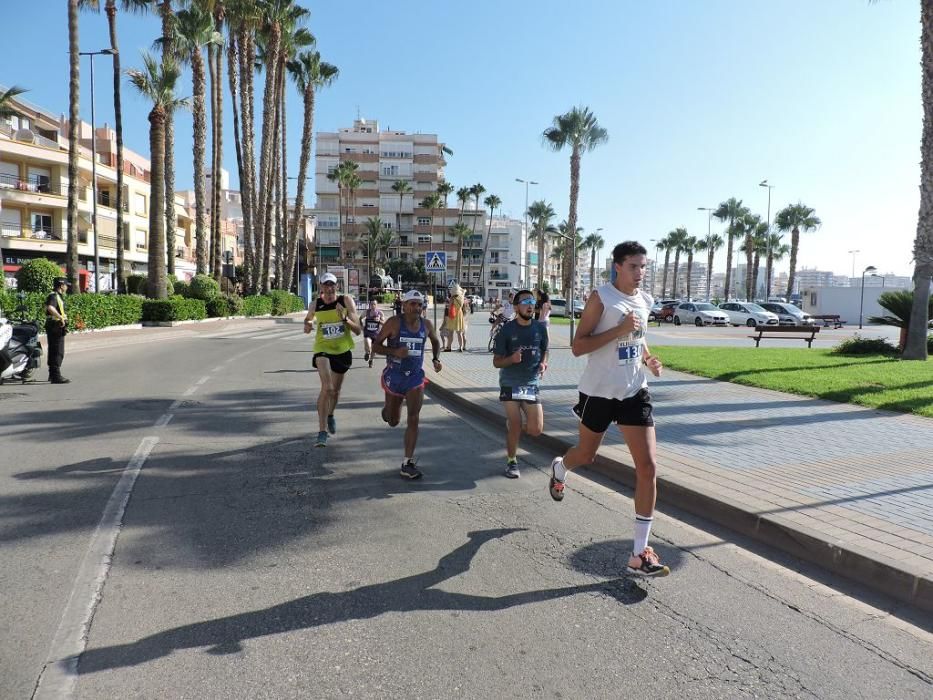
614, 388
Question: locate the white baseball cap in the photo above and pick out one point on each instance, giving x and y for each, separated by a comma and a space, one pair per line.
413, 295
328, 277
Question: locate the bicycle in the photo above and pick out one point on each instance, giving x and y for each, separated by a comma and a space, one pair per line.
497, 321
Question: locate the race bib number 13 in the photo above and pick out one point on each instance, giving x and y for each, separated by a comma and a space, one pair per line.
629, 353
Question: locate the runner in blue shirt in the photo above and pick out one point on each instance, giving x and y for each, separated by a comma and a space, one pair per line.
520, 353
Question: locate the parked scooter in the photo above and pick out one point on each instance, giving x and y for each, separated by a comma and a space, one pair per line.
20, 348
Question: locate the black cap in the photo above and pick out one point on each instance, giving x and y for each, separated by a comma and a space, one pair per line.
59, 281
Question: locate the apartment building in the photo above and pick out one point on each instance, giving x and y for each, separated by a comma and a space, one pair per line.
383, 157
34, 199
510, 264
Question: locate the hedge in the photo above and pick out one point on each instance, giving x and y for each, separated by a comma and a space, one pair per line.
84, 311
173, 309
38, 275
285, 302
224, 305
257, 305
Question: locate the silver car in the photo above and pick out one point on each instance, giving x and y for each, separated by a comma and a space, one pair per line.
788, 314
745, 313
701, 314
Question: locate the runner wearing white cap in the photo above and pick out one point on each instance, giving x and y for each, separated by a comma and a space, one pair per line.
333, 349
402, 340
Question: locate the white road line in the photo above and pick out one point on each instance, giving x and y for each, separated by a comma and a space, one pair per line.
164, 420
59, 674
190, 391
201, 381
175, 404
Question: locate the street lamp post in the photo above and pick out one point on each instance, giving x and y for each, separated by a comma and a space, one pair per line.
527, 183
92, 54
764, 183
861, 303
709, 232
654, 270
852, 253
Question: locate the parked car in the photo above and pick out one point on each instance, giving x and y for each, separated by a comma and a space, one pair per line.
476, 299
658, 305
666, 313
745, 313
559, 307
788, 314
700, 313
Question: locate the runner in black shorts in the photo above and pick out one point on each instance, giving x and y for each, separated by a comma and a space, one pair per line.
614, 389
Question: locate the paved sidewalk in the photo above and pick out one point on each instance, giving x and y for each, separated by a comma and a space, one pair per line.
846, 487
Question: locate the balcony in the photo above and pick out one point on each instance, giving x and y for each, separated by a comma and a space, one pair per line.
36, 185
43, 233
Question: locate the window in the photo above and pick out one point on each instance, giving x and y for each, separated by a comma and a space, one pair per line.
140, 239
390, 170
424, 220
424, 239
387, 225
42, 225
139, 204
103, 198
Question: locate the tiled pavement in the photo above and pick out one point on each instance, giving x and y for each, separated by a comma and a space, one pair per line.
849, 488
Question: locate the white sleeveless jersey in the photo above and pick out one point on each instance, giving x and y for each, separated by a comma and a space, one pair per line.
616, 370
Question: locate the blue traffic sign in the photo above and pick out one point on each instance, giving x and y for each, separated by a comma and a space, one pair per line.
435, 261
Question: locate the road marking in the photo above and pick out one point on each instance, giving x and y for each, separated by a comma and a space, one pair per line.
60, 673
201, 381
164, 420
190, 391
175, 404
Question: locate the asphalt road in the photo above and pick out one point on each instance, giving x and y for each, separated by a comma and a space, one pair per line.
247, 563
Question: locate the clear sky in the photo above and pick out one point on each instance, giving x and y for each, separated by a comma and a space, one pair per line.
702, 100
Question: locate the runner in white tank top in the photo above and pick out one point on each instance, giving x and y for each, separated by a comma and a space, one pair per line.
614, 389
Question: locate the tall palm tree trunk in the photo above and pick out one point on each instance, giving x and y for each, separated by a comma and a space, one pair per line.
307, 130
674, 292
284, 279
269, 111
199, 116
709, 273
482, 262
729, 243
540, 259
168, 200
756, 261
217, 238
569, 264
689, 272
274, 199
118, 128
667, 261
749, 256
246, 56
593, 284
157, 267
233, 80
268, 199
792, 273
74, 89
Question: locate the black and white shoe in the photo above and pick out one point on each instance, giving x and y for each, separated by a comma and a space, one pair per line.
409, 470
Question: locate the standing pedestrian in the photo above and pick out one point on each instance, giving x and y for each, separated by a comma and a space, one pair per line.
543, 309
333, 349
56, 327
397, 306
614, 388
520, 353
454, 322
402, 340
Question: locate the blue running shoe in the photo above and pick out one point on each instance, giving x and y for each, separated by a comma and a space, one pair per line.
331, 425
321, 439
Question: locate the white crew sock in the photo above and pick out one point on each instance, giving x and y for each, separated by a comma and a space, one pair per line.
642, 530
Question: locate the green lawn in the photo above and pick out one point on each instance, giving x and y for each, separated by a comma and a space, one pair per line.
874, 381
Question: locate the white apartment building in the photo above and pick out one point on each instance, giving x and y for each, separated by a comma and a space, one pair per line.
34, 199
510, 264
383, 157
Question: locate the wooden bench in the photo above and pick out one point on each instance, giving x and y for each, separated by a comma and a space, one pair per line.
803, 333
828, 320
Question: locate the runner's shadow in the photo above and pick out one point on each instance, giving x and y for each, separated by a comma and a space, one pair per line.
409, 594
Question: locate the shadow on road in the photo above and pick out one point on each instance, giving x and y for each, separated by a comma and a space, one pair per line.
409, 594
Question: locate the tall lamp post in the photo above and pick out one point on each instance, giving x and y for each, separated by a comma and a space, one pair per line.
852, 253
92, 54
861, 304
764, 183
654, 270
527, 183
709, 232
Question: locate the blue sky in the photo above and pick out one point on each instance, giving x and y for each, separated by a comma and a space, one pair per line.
702, 100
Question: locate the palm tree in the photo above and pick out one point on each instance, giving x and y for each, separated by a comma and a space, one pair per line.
217, 124
665, 245
580, 130
730, 210
193, 31
710, 244
309, 73
169, 58
776, 250
492, 203
899, 305
157, 82
370, 241
795, 218
7, 111
689, 246
595, 243
444, 189
352, 184
460, 232
751, 226
676, 240
477, 191
540, 214
401, 188
568, 250
74, 86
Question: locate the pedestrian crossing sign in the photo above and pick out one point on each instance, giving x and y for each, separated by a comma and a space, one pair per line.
435, 261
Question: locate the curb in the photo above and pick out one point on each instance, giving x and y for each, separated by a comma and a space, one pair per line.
791, 538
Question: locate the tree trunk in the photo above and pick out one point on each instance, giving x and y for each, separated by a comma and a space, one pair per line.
769, 267
570, 248
307, 131
74, 88
199, 117
794, 242
168, 201
233, 80
709, 274
749, 253
729, 242
284, 280
915, 347
667, 261
593, 284
269, 199
156, 282
540, 259
118, 128
754, 286
482, 262
269, 111
689, 272
217, 239
274, 199
674, 292
246, 56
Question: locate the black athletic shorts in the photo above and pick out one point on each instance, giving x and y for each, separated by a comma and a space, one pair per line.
339, 364
596, 412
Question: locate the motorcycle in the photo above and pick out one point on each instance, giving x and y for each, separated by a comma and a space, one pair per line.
20, 348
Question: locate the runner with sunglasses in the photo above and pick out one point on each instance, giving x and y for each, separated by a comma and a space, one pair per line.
333, 349
520, 353
402, 340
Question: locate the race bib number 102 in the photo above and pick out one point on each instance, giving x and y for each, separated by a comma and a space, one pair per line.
331, 331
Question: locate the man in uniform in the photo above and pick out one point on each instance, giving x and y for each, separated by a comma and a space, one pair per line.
56, 326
